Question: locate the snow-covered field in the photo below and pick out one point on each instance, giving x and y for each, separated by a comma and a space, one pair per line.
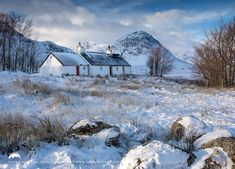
137, 106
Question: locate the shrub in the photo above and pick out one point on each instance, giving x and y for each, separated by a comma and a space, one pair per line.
15, 132
50, 130
18, 132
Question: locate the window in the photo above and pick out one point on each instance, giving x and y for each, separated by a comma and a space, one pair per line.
117, 68
84, 67
101, 68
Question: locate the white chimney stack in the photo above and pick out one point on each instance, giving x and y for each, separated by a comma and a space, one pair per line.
79, 48
109, 51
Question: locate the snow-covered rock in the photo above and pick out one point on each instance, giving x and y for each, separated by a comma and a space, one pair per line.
211, 136
212, 158
133, 135
188, 128
87, 127
154, 155
218, 138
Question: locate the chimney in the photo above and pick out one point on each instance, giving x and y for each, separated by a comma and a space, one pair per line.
109, 51
79, 48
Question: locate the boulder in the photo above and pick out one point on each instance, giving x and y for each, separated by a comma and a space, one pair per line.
97, 132
212, 158
87, 127
154, 155
218, 138
188, 128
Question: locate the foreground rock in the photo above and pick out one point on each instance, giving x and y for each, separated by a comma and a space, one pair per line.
154, 155
188, 128
97, 131
87, 127
218, 138
212, 158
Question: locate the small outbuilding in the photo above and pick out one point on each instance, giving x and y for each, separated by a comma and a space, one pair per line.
85, 63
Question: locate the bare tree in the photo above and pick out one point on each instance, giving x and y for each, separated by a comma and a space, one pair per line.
159, 62
16, 49
215, 59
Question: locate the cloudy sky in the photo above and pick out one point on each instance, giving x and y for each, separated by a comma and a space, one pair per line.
177, 24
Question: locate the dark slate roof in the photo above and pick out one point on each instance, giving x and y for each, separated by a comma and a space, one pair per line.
104, 59
70, 59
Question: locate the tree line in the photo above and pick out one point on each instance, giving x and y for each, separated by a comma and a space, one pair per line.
17, 50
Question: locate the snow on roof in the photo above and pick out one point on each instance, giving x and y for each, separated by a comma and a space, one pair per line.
104, 59
69, 59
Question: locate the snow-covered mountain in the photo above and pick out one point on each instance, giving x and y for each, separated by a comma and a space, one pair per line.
136, 48
92, 46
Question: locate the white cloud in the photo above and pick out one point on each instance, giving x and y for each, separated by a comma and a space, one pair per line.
81, 16
65, 23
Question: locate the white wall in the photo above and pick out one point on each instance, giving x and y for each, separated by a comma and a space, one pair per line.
117, 70
51, 66
99, 70
71, 70
84, 70
127, 70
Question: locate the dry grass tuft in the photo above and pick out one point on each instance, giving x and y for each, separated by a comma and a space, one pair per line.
50, 130
60, 98
20, 133
15, 132
131, 86
97, 93
30, 87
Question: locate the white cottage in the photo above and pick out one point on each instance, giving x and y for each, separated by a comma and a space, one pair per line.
85, 63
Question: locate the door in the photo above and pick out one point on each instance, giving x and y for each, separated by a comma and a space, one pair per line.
77, 70
110, 71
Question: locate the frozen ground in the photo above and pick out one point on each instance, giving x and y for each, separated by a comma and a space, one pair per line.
147, 102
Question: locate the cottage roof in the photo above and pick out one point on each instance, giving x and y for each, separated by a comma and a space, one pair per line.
68, 59
94, 58
104, 59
